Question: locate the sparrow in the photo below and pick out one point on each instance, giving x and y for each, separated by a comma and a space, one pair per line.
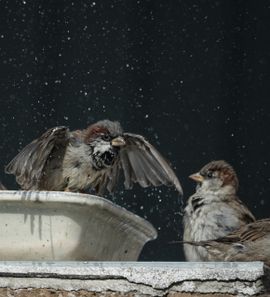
249, 243
214, 210
64, 160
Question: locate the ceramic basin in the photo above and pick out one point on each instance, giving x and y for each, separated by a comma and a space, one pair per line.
68, 226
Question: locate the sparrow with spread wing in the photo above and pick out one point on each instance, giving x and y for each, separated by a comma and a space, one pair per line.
214, 210
248, 243
91, 158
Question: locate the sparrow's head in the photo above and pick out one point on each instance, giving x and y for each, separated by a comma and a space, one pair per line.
216, 175
105, 139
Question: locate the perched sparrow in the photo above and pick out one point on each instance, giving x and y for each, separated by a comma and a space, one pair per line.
91, 158
214, 210
249, 243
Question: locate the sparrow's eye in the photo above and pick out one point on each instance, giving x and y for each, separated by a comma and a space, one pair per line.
209, 174
106, 137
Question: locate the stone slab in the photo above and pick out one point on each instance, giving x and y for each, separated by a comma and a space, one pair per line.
143, 278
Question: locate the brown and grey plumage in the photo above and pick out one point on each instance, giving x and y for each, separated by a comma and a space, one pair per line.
249, 243
91, 158
214, 210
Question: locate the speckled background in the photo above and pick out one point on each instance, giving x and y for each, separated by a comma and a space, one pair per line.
192, 76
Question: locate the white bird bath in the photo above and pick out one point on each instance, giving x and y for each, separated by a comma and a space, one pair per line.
65, 226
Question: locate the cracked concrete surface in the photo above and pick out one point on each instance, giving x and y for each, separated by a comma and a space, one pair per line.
82, 293
132, 278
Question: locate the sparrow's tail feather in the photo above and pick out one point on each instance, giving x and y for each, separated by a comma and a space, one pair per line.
203, 243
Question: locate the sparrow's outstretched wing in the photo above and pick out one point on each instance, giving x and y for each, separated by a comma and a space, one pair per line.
249, 232
248, 243
143, 164
28, 165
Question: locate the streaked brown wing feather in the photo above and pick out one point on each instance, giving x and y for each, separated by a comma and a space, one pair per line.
107, 179
254, 231
28, 165
249, 232
246, 233
112, 177
143, 164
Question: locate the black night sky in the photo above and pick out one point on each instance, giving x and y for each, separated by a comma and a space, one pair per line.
193, 77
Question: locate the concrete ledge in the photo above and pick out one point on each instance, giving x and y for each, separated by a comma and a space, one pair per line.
135, 278
83, 293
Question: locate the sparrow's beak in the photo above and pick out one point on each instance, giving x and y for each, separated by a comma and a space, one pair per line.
118, 141
197, 177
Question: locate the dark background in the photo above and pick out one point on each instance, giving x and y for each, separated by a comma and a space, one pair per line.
191, 76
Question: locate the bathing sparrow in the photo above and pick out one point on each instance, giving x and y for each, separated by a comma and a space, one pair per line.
90, 158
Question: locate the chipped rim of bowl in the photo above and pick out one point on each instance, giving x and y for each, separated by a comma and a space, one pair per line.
137, 222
